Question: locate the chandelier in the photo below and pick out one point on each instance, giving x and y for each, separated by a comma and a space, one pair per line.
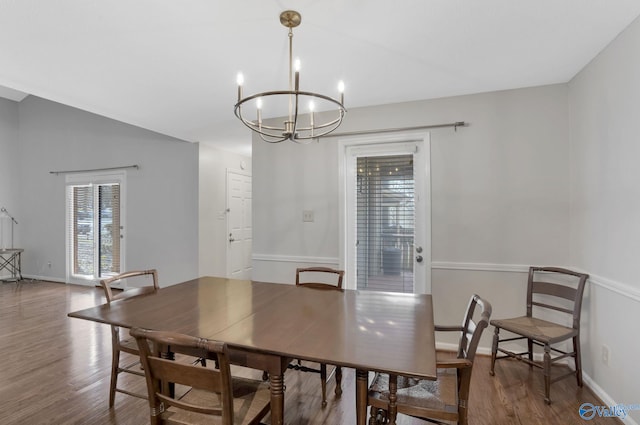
300, 125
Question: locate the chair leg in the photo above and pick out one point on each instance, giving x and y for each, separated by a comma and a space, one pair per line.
577, 359
494, 350
115, 366
338, 381
530, 351
323, 379
462, 415
547, 373
373, 420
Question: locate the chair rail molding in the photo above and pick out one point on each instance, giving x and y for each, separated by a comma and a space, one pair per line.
619, 288
295, 259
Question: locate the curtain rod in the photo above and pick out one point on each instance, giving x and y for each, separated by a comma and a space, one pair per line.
95, 169
455, 126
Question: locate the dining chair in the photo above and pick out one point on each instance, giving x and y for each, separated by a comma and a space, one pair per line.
554, 303
120, 343
213, 395
445, 399
323, 278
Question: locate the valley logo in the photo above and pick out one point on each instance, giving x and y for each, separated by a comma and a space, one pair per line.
588, 411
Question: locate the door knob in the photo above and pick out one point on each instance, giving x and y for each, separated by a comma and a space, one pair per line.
419, 258
418, 249
231, 239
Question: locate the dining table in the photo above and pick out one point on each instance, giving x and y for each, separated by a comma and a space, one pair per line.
266, 325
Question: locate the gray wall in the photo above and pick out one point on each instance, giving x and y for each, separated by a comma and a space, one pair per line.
162, 196
604, 104
500, 187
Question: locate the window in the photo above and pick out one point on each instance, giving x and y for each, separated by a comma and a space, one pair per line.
94, 224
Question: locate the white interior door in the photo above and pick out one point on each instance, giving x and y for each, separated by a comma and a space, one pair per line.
239, 230
396, 250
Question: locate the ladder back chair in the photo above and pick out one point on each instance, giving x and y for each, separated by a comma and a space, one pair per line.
550, 290
120, 343
324, 278
444, 400
213, 397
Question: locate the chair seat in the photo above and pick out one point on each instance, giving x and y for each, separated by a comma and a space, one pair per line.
412, 391
536, 329
250, 398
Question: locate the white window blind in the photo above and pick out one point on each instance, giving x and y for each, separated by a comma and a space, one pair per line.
385, 222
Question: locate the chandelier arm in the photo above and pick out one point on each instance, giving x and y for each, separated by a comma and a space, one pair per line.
255, 126
258, 129
289, 92
271, 138
328, 124
275, 138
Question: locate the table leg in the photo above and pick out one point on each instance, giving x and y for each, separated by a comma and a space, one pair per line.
362, 381
393, 399
168, 388
277, 398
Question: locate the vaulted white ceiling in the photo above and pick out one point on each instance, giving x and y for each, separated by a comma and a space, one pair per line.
170, 66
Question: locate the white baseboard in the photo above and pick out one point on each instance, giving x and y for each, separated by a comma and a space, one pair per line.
47, 278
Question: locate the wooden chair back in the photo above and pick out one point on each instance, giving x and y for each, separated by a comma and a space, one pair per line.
547, 286
472, 327
120, 343
159, 370
111, 296
422, 399
322, 277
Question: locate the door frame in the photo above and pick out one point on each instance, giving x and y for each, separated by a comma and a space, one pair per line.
400, 142
95, 178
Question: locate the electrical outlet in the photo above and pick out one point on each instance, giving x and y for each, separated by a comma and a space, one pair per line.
606, 353
307, 216
49, 264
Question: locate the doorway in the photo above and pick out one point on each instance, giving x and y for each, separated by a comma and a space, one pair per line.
239, 228
386, 222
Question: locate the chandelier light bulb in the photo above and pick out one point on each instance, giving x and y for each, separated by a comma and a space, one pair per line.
240, 79
296, 65
312, 106
341, 86
259, 103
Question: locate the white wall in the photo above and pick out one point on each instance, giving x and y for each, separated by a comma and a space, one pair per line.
212, 234
604, 101
162, 196
9, 185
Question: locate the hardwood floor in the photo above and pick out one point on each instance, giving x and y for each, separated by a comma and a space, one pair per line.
56, 371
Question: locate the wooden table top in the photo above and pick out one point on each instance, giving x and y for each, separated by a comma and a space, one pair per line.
375, 331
